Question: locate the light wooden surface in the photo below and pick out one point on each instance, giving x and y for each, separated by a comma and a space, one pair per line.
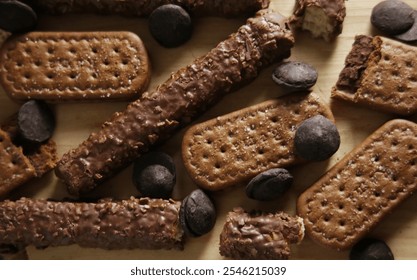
76, 121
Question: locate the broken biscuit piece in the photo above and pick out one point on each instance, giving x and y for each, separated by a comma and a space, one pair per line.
322, 18
380, 73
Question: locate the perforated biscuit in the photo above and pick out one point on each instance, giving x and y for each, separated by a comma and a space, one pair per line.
15, 168
360, 190
389, 81
233, 148
70, 66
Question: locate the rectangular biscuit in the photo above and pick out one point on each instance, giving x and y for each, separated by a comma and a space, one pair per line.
360, 190
72, 66
380, 73
232, 149
155, 116
143, 8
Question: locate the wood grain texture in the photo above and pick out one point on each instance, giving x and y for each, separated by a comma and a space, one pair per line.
76, 121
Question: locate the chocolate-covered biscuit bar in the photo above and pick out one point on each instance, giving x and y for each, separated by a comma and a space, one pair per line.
260, 235
379, 73
142, 8
323, 18
154, 117
133, 223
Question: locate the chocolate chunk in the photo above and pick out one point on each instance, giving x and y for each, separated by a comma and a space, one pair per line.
392, 17
411, 34
371, 249
295, 76
316, 139
197, 214
154, 175
17, 17
170, 25
270, 184
36, 122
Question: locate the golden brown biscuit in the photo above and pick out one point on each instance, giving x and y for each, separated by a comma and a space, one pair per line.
73, 66
231, 149
360, 190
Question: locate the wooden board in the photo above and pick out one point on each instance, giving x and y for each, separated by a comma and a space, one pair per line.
77, 121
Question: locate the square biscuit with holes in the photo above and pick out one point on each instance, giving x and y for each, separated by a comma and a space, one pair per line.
363, 188
232, 149
74, 66
380, 73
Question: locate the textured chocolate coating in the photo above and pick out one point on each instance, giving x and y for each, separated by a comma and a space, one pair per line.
387, 79
357, 193
154, 117
133, 223
323, 18
259, 236
143, 8
231, 149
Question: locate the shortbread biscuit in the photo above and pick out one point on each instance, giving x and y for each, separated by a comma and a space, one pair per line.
189, 91
360, 190
257, 235
380, 73
231, 149
73, 66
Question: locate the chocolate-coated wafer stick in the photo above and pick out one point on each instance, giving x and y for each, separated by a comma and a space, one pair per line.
259, 235
133, 223
154, 117
141, 8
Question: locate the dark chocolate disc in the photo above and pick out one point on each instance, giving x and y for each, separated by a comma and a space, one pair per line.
411, 34
36, 122
392, 17
16, 17
316, 139
371, 249
269, 185
154, 175
295, 76
170, 25
197, 214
